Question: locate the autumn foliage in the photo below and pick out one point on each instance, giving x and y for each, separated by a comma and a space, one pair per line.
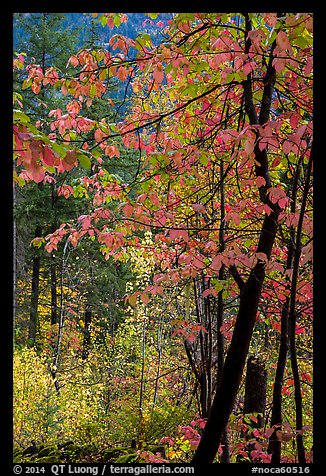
217, 215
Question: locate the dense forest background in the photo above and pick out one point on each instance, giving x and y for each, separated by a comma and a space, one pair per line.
136, 336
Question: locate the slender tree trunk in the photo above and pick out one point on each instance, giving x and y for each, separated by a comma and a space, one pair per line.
33, 316
221, 277
202, 372
292, 319
57, 346
54, 304
159, 357
208, 347
53, 266
225, 456
274, 446
141, 430
87, 333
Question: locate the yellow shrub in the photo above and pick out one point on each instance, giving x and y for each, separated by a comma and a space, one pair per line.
34, 399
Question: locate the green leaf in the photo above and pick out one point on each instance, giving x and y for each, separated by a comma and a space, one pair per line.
234, 33
153, 160
27, 83
248, 243
92, 91
21, 182
85, 161
50, 169
116, 21
103, 20
191, 89
143, 40
20, 116
59, 149
203, 159
302, 42
240, 76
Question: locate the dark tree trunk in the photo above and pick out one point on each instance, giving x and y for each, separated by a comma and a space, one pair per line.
292, 318
235, 360
87, 334
221, 277
225, 456
33, 316
254, 400
274, 446
54, 304
255, 390
201, 373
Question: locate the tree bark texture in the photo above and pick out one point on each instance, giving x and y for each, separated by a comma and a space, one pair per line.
255, 390
255, 398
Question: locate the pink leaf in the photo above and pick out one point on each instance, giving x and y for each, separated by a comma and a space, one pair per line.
294, 119
35, 171
279, 64
261, 256
74, 61
141, 198
122, 73
48, 157
173, 233
287, 147
183, 233
216, 263
128, 210
198, 207
236, 218
283, 202
110, 22
99, 135
283, 41
24, 135
207, 292
270, 19
158, 73
260, 181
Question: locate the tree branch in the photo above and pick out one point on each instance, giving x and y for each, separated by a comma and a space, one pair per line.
237, 277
